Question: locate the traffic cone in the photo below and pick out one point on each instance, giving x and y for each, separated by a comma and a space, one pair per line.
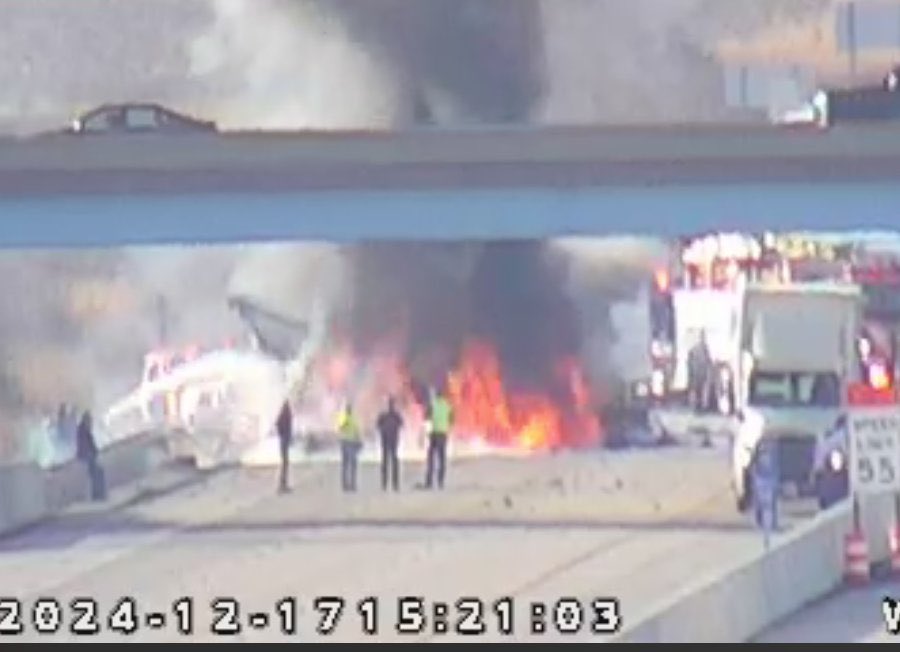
894, 541
856, 558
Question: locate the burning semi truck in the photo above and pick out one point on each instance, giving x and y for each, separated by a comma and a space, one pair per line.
516, 383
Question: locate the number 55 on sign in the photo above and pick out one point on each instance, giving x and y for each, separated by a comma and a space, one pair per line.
875, 450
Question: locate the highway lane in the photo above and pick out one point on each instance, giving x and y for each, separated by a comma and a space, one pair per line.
851, 616
632, 525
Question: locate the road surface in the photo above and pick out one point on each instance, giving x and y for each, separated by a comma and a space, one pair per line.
630, 525
851, 616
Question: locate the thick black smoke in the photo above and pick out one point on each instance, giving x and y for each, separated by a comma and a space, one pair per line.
440, 297
333, 63
519, 301
346, 63
466, 59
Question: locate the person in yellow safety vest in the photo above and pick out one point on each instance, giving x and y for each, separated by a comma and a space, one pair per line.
351, 443
441, 418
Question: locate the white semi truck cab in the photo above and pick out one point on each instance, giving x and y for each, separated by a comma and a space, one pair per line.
798, 355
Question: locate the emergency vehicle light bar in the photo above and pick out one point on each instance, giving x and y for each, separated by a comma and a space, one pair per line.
876, 274
864, 394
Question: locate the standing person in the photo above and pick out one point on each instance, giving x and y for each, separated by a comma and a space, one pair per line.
351, 442
699, 374
765, 487
390, 423
441, 417
285, 428
86, 452
62, 418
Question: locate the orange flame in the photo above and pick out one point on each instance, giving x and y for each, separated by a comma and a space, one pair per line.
485, 409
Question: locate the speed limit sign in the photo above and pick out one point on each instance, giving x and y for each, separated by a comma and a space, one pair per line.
875, 450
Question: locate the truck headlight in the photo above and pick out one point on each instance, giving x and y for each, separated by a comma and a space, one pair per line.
836, 460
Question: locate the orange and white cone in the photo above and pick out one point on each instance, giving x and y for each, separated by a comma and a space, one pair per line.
856, 558
894, 541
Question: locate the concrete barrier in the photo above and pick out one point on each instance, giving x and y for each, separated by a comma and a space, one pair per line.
756, 591
21, 496
29, 494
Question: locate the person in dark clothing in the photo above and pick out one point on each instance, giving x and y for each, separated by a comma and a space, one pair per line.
765, 478
700, 368
389, 425
285, 429
87, 454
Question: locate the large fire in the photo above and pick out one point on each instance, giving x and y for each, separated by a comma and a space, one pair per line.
484, 407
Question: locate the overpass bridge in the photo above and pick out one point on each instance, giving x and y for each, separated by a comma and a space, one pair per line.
439, 185
640, 526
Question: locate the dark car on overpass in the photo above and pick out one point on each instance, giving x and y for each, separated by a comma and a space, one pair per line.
120, 119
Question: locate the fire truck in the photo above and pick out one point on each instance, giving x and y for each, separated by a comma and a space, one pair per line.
697, 295
879, 278
876, 271
698, 300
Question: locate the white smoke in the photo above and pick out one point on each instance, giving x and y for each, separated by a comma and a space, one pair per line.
334, 63
328, 64
646, 60
306, 283
285, 64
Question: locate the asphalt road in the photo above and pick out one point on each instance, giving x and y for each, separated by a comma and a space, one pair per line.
852, 616
629, 525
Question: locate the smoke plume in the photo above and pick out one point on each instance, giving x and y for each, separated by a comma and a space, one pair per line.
89, 316
606, 282
535, 303
74, 326
287, 64
386, 62
378, 63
